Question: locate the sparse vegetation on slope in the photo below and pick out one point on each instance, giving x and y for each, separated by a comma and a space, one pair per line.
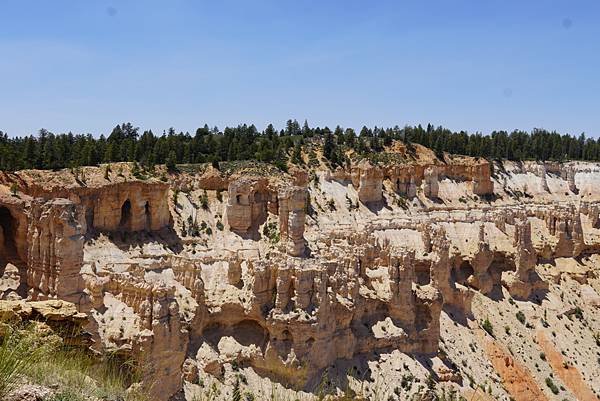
33, 355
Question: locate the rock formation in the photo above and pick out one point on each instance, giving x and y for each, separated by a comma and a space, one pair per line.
292, 211
246, 204
368, 181
289, 276
55, 236
431, 186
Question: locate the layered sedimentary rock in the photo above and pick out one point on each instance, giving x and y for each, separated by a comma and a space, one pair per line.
57, 315
246, 204
292, 214
13, 228
368, 181
431, 186
481, 180
55, 256
332, 280
130, 207
109, 202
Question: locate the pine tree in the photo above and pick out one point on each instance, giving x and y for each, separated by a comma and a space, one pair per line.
171, 161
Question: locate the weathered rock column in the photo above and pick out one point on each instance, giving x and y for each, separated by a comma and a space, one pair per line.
482, 183
431, 183
368, 181
55, 256
246, 204
292, 216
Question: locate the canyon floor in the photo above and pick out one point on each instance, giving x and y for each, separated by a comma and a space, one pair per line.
413, 278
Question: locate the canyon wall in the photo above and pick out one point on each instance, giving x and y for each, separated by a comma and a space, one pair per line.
289, 275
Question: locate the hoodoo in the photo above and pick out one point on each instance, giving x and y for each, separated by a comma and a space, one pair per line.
382, 268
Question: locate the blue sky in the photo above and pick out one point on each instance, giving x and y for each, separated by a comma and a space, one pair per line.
478, 65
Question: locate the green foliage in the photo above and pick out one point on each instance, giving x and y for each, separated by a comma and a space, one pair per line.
487, 326
136, 171
521, 317
331, 205
15, 360
47, 150
271, 231
406, 381
171, 161
237, 395
297, 154
552, 386
204, 201
192, 228
45, 360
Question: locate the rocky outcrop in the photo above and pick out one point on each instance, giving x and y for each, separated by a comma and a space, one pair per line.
568, 173
403, 180
130, 207
247, 204
343, 283
431, 186
111, 200
481, 180
368, 181
161, 346
55, 257
292, 215
59, 315
13, 229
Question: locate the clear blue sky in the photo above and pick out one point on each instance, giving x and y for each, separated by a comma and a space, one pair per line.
477, 65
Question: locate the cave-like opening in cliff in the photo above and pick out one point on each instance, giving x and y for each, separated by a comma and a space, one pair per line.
462, 273
8, 223
125, 214
422, 273
597, 222
423, 317
148, 216
499, 265
246, 332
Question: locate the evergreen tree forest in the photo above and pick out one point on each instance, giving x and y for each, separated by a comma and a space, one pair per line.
47, 150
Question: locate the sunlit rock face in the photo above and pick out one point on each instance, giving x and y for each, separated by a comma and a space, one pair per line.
289, 274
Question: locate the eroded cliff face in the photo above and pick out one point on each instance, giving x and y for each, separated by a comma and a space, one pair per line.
55, 237
289, 278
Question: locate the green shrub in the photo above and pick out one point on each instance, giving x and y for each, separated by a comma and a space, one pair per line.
31, 354
271, 231
521, 317
204, 201
487, 326
15, 360
552, 386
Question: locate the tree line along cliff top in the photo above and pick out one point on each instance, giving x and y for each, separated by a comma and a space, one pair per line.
295, 144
